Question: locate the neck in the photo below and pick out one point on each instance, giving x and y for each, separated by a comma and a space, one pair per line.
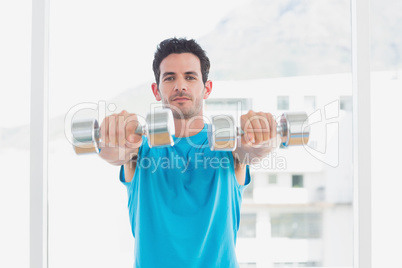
188, 127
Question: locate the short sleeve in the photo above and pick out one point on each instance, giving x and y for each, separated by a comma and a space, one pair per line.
122, 177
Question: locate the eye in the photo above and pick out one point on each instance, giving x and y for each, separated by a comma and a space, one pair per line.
169, 78
190, 78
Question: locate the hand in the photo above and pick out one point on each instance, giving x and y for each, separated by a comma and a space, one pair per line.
119, 143
259, 128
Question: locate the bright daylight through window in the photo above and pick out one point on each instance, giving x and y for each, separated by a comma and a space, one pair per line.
273, 56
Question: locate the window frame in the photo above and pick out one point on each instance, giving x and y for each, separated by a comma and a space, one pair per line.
360, 21
38, 234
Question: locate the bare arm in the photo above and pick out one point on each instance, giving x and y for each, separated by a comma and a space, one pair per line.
119, 143
129, 170
258, 141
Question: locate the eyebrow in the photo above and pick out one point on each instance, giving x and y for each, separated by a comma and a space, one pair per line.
173, 73
167, 73
193, 73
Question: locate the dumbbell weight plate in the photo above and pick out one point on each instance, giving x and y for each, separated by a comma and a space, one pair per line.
222, 133
160, 128
86, 136
294, 129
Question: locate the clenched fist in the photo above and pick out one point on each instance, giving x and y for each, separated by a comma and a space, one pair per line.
259, 128
119, 141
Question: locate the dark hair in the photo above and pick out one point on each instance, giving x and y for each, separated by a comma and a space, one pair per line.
177, 46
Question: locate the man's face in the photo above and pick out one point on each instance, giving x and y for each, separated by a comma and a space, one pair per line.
180, 85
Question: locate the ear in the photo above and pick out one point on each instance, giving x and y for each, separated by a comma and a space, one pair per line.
156, 91
208, 89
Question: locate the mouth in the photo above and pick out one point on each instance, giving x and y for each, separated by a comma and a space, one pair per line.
181, 99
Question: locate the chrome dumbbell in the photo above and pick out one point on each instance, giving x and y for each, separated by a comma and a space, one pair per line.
159, 129
292, 128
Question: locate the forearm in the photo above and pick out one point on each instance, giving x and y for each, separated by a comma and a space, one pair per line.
129, 169
247, 154
118, 157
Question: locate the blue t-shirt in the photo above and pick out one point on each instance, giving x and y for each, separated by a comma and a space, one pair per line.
184, 205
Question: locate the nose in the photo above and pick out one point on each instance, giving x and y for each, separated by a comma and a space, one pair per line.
181, 84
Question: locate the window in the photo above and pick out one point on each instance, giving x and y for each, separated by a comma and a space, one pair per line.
311, 47
297, 264
346, 103
297, 181
272, 179
297, 225
283, 102
247, 265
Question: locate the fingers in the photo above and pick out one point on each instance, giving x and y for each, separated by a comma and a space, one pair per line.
104, 132
258, 128
112, 131
131, 123
272, 125
119, 129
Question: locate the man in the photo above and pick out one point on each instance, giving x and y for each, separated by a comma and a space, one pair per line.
184, 201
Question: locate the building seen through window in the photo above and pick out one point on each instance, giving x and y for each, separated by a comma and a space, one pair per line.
228, 104
248, 225
297, 225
